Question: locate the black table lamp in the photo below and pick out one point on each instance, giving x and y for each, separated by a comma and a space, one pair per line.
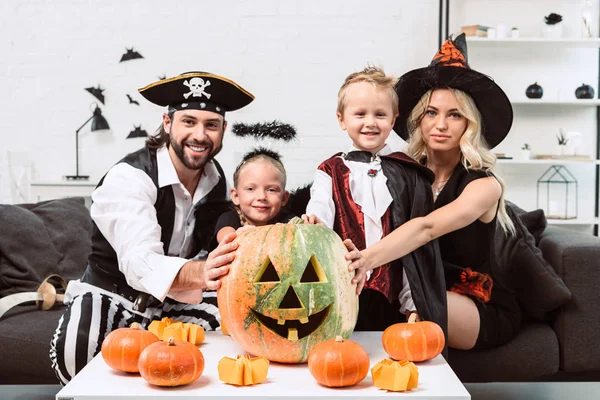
98, 123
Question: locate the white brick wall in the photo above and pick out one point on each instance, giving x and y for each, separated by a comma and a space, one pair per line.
293, 55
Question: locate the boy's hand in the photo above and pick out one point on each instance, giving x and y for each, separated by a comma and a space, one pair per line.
216, 263
356, 265
312, 219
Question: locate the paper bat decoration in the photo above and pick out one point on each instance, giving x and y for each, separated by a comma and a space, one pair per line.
161, 77
132, 101
130, 55
97, 93
137, 132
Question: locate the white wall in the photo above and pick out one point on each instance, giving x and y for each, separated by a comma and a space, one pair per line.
293, 55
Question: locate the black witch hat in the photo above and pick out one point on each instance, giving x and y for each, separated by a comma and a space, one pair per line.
449, 69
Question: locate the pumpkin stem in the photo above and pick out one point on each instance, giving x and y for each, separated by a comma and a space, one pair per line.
412, 318
135, 325
339, 339
171, 341
296, 221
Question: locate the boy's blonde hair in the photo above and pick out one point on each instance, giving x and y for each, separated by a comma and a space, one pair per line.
474, 150
373, 75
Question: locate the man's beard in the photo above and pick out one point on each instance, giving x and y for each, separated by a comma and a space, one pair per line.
196, 163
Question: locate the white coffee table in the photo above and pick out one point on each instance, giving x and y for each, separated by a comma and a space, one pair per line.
98, 381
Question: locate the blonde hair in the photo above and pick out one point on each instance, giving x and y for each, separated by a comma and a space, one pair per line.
253, 157
474, 150
373, 75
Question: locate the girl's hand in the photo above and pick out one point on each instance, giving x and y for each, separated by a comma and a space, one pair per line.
312, 219
357, 264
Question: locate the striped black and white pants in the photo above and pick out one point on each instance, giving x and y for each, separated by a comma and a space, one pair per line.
91, 316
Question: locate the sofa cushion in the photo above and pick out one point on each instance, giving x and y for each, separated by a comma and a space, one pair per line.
538, 287
532, 354
25, 335
40, 239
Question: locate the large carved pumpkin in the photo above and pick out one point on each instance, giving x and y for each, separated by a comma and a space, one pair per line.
287, 290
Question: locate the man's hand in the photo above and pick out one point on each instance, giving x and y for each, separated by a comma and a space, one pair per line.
215, 265
312, 219
357, 264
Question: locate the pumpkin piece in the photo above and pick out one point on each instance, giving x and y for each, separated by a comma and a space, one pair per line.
288, 289
171, 363
195, 333
413, 341
122, 347
338, 362
175, 331
243, 371
396, 376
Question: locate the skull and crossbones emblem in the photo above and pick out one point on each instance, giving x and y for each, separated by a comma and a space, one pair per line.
197, 88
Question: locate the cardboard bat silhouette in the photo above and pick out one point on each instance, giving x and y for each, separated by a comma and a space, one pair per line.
97, 93
137, 132
131, 100
130, 55
161, 77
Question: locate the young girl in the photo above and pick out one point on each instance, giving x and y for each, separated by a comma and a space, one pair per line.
258, 194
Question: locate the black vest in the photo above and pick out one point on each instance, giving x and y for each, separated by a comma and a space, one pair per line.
103, 268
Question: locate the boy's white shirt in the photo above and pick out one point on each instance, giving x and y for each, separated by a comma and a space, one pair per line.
371, 194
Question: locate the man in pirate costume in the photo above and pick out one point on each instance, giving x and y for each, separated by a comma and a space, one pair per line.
451, 116
366, 193
154, 213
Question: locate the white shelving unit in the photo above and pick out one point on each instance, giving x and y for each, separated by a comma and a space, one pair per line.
547, 162
550, 102
537, 41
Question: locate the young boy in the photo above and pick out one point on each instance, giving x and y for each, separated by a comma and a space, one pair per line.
366, 193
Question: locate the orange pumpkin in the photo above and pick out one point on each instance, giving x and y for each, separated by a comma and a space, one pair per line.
338, 362
413, 341
122, 347
171, 363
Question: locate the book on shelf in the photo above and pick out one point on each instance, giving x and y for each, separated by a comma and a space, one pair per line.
561, 157
474, 30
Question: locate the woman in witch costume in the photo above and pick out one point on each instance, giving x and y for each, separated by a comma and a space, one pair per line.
451, 116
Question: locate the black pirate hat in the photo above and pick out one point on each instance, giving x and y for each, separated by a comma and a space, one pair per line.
199, 91
449, 69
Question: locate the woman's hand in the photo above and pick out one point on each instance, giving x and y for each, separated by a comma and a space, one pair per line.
357, 264
312, 219
215, 265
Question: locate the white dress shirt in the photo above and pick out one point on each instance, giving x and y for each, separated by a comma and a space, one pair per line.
123, 209
371, 194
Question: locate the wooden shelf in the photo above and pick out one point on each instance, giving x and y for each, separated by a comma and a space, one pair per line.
564, 42
553, 161
576, 221
550, 102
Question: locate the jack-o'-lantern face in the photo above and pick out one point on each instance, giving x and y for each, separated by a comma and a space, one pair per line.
287, 290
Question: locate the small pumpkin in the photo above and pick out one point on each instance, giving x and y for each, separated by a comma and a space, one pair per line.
122, 347
584, 92
396, 376
288, 289
534, 91
171, 363
413, 341
338, 362
243, 371
166, 328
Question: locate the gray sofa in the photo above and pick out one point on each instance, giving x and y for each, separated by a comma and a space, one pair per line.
559, 345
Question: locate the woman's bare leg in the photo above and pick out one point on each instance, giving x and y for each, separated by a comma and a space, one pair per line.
463, 321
